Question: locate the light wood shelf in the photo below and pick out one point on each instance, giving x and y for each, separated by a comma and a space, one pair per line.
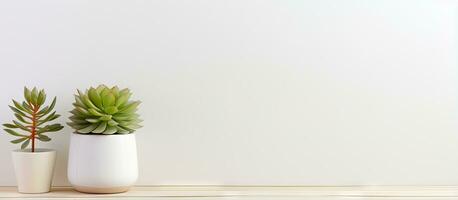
251, 192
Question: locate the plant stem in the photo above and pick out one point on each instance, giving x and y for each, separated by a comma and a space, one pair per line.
34, 126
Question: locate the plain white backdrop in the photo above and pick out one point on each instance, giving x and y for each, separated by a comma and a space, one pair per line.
252, 92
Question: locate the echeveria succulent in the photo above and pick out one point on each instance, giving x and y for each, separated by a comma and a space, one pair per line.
32, 118
104, 110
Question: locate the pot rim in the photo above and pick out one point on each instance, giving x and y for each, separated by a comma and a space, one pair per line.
37, 151
98, 134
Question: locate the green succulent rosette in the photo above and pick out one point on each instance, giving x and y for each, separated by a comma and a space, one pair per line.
105, 110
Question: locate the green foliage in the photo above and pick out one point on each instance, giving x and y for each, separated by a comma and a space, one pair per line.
31, 118
105, 110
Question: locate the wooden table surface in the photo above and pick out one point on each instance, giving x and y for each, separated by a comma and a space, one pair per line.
251, 193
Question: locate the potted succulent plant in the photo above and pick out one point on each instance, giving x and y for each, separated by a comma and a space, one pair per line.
34, 167
103, 153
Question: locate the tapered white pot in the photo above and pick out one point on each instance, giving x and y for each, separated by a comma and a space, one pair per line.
34, 170
102, 163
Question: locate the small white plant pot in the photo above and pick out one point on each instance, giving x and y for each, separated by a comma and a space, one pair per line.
34, 170
102, 163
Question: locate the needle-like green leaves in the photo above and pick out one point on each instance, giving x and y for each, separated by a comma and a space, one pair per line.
31, 118
104, 110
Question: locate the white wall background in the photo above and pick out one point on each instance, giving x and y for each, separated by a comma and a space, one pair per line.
252, 92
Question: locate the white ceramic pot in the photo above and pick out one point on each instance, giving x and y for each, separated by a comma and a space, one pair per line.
102, 163
34, 170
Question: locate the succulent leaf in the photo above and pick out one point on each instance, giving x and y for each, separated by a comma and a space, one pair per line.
126, 128
25, 144
104, 110
93, 120
16, 141
43, 138
47, 109
100, 128
89, 103
20, 118
115, 90
19, 125
49, 118
100, 88
79, 102
82, 111
27, 106
112, 122
108, 100
76, 125
14, 133
17, 111
10, 126
106, 117
122, 100
41, 97
95, 98
110, 130
95, 112
27, 95
130, 107
88, 129
50, 128
111, 110
121, 130
22, 108
34, 96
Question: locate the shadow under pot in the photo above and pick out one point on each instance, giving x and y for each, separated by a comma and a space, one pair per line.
102, 163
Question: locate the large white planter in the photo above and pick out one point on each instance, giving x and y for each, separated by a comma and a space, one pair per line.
34, 170
102, 163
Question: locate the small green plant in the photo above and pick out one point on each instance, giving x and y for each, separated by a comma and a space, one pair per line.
104, 110
31, 118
